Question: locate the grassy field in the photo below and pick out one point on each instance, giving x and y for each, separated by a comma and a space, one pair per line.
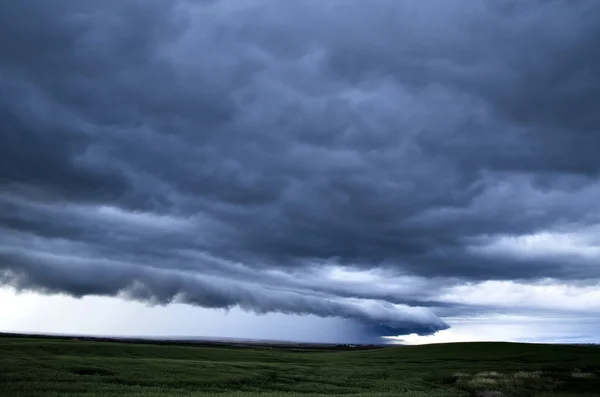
62, 367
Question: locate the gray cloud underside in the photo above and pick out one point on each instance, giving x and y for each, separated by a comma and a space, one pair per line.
255, 141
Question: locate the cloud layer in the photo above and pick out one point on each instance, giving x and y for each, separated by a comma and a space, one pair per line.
327, 158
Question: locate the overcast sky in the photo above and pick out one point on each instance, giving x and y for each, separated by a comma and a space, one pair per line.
323, 170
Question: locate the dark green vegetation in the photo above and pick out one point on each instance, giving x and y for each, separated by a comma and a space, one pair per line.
62, 367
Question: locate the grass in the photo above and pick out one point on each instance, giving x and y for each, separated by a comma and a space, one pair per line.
62, 367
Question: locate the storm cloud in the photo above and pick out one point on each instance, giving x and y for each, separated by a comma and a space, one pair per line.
325, 158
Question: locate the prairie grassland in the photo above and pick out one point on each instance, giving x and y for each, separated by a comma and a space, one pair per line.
58, 367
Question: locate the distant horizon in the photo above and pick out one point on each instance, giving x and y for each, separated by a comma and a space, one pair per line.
251, 341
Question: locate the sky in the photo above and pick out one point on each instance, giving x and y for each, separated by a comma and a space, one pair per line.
315, 170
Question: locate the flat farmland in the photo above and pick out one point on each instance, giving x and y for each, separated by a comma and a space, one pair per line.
37, 366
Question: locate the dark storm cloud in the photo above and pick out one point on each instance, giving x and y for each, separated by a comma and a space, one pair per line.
80, 277
180, 141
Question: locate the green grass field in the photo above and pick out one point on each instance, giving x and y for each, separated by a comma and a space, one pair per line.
62, 367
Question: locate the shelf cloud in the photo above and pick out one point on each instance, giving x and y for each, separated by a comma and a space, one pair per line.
386, 164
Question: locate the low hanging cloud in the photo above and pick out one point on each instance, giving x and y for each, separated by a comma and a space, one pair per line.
80, 277
260, 156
